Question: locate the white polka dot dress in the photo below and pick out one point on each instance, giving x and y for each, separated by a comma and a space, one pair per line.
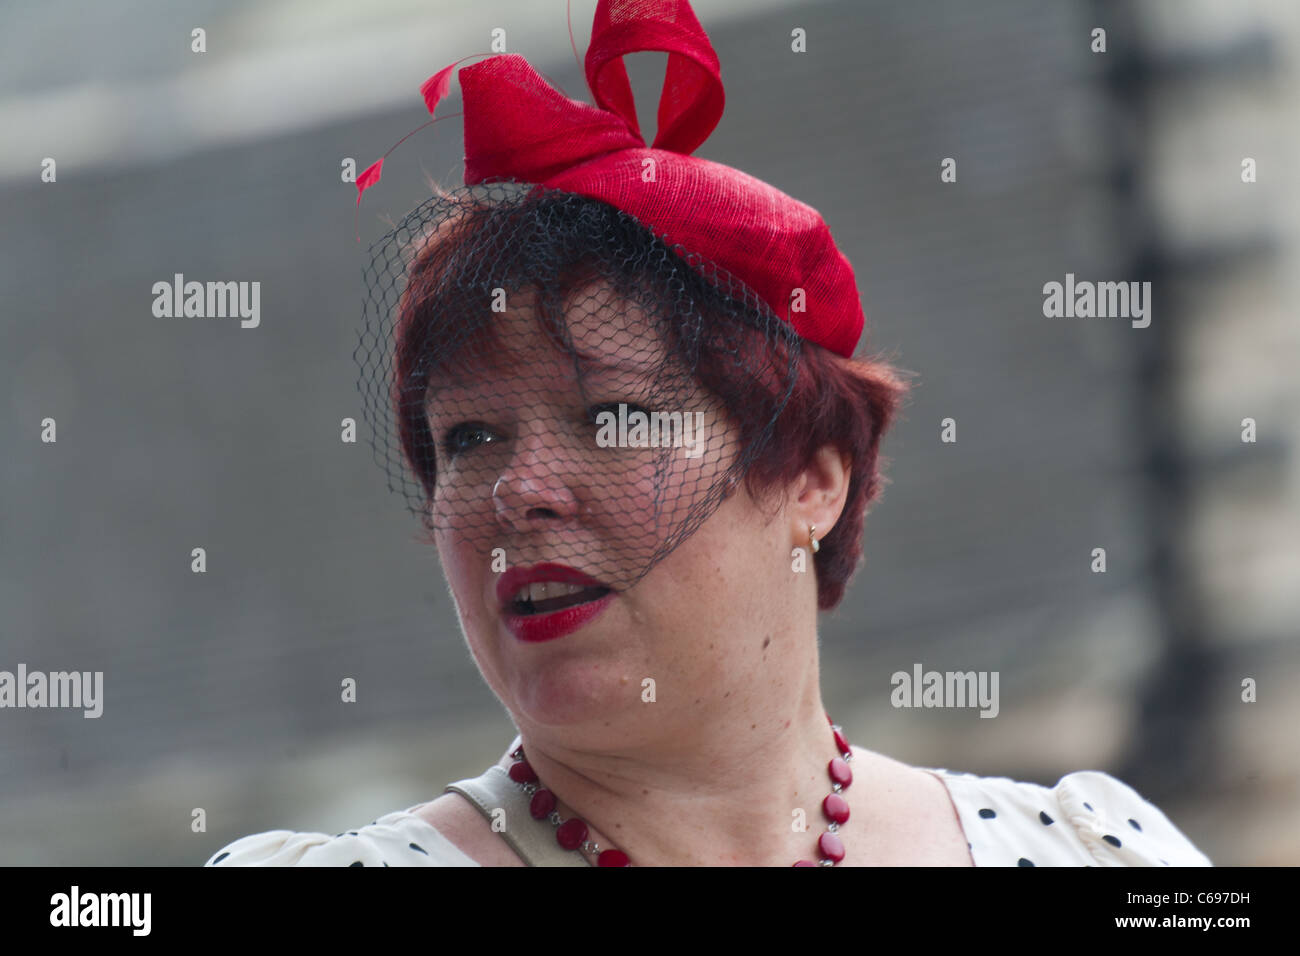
398, 839
1088, 819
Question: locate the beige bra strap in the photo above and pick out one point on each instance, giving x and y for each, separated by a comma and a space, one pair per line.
533, 840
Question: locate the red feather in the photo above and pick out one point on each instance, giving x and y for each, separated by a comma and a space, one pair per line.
369, 177
436, 87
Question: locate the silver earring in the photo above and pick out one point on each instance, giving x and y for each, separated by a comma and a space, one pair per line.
812, 532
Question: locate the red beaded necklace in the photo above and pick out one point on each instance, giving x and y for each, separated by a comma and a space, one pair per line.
571, 834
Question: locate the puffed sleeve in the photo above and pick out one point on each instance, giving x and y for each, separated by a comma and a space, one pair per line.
1118, 827
290, 848
399, 839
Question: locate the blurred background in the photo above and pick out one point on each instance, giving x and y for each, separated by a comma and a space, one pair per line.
222, 689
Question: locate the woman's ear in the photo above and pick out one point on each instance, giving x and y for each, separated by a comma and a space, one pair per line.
821, 491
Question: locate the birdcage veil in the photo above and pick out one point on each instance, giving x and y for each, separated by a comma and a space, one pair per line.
543, 375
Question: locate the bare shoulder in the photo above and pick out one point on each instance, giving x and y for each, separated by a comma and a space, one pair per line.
910, 813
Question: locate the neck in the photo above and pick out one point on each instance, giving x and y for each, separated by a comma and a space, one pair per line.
719, 788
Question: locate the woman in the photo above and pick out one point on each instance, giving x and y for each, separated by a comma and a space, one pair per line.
625, 394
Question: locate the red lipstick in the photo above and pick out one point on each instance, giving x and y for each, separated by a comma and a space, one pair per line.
533, 625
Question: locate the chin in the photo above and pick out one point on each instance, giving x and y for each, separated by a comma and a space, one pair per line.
565, 690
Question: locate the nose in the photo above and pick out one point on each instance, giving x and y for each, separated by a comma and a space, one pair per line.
534, 489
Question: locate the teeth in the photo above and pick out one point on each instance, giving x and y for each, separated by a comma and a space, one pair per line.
541, 590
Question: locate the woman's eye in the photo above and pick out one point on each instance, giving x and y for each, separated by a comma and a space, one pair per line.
462, 438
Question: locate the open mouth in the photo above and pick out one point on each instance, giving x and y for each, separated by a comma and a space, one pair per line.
547, 597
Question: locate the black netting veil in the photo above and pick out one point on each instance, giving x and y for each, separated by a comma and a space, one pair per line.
542, 374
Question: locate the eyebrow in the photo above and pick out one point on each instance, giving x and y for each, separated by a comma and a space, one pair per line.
455, 377
467, 376
594, 362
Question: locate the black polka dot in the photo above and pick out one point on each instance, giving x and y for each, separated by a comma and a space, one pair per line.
221, 857
1135, 825
1089, 806
987, 814
1047, 821
417, 847
1024, 862
1112, 840
358, 863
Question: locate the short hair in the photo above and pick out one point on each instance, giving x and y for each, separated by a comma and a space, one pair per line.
848, 404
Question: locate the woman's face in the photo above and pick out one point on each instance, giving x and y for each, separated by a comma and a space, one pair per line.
529, 493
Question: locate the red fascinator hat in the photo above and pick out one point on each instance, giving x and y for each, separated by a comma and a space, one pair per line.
520, 128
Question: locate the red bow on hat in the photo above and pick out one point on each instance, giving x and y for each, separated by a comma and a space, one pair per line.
520, 128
